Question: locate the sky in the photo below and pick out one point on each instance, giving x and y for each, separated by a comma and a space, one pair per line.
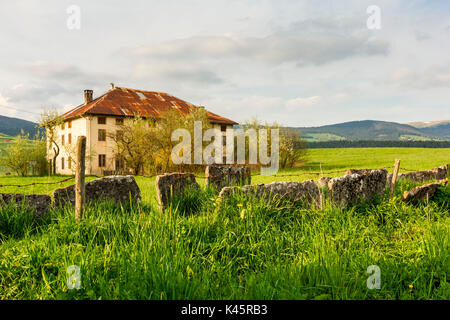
297, 63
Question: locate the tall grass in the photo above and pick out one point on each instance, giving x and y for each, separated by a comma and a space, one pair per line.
242, 248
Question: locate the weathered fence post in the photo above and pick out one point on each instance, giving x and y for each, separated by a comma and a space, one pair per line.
394, 177
448, 171
79, 178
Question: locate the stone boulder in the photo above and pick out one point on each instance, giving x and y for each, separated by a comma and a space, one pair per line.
169, 185
349, 172
222, 176
358, 188
38, 203
306, 191
438, 173
362, 171
424, 192
118, 188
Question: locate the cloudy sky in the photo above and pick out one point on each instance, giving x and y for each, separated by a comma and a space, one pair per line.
300, 63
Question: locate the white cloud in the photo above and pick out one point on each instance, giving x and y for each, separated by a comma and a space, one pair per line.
6, 108
298, 103
304, 43
241, 59
429, 78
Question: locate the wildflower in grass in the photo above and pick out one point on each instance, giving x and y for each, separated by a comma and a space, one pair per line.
239, 205
411, 286
189, 272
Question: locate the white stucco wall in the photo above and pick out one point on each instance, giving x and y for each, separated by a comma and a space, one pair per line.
89, 126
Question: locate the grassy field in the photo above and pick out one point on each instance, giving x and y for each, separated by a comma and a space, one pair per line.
240, 249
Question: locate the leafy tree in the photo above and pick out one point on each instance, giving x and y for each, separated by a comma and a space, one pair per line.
146, 144
162, 134
133, 143
291, 146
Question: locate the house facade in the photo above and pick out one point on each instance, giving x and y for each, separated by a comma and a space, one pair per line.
98, 118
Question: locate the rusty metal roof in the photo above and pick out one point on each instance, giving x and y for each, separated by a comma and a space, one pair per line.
128, 102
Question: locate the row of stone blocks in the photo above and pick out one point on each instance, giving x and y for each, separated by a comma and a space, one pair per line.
349, 189
438, 173
121, 189
356, 186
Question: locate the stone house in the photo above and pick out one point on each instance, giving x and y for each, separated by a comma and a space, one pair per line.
98, 117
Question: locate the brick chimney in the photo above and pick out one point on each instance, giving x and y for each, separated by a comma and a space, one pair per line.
88, 96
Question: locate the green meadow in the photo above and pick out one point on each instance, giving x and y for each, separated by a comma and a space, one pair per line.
238, 249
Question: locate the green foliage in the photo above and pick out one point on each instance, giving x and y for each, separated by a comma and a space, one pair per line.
240, 249
25, 156
375, 144
192, 200
145, 145
244, 249
442, 197
291, 145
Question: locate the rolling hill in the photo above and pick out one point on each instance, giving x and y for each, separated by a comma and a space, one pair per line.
374, 130
353, 130
13, 126
436, 128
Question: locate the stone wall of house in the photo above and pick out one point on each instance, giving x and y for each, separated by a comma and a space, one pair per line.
222, 176
306, 191
117, 188
357, 188
169, 184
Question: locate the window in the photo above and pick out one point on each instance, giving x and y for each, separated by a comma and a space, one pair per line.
63, 126
119, 164
119, 134
101, 135
69, 124
101, 120
69, 162
62, 140
223, 128
119, 121
101, 160
69, 139
62, 163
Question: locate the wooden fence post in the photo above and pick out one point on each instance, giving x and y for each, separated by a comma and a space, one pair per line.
448, 171
79, 177
394, 177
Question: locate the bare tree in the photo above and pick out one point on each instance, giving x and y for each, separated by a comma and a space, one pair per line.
50, 120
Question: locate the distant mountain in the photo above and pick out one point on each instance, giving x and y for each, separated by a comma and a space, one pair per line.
13, 126
436, 128
373, 130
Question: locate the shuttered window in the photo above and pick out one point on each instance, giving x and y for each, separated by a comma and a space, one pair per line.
101, 135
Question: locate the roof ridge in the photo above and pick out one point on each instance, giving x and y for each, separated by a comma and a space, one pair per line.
142, 90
